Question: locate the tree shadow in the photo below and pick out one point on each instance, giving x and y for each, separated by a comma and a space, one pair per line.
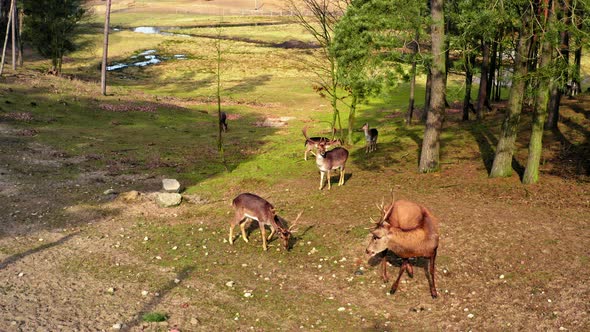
126, 140
248, 84
487, 142
16, 257
155, 300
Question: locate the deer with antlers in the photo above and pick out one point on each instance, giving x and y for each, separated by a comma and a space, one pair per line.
251, 206
408, 230
328, 160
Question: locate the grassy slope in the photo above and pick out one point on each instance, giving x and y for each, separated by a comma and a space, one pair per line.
166, 127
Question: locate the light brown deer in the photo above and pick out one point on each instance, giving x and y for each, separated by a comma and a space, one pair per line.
408, 230
329, 160
251, 206
313, 142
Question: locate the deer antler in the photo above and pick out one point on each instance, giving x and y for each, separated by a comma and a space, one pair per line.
296, 219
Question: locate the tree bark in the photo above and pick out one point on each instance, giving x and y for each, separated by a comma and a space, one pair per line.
21, 44
427, 93
430, 154
498, 92
13, 28
502, 165
483, 81
492, 73
105, 50
6, 38
351, 118
467, 106
556, 91
531, 173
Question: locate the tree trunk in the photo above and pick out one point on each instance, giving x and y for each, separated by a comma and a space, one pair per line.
21, 44
351, 118
467, 106
531, 173
13, 29
6, 38
578, 64
492, 73
498, 92
502, 166
427, 93
556, 92
105, 50
483, 82
413, 80
430, 154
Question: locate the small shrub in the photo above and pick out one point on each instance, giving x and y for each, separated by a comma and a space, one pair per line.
154, 317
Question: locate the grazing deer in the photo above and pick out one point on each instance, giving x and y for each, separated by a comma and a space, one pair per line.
250, 206
313, 143
370, 137
223, 121
329, 160
408, 230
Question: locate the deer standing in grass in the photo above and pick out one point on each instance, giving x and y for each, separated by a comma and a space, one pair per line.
370, 138
223, 121
313, 142
328, 160
251, 206
408, 230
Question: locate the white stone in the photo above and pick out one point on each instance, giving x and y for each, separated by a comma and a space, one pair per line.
144, 293
168, 199
171, 185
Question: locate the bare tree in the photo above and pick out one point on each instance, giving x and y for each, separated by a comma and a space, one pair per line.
6, 38
319, 17
105, 50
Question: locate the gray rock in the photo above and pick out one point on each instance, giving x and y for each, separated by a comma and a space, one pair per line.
168, 199
110, 191
171, 185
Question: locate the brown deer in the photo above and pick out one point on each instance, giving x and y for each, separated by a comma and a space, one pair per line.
370, 138
329, 160
313, 142
251, 206
408, 230
223, 121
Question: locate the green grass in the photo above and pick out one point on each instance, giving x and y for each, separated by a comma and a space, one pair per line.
154, 317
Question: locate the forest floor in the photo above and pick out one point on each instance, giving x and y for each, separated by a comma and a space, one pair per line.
511, 257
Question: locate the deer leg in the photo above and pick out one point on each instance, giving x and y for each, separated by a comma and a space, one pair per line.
329, 180
322, 179
410, 270
243, 228
231, 233
272, 232
433, 292
341, 181
384, 269
401, 272
237, 219
263, 232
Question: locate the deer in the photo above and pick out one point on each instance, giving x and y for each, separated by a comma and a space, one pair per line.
409, 230
251, 206
315, 141
370, 138
328, 160
223, 121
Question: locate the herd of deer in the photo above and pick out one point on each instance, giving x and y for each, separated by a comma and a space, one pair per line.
406, 229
